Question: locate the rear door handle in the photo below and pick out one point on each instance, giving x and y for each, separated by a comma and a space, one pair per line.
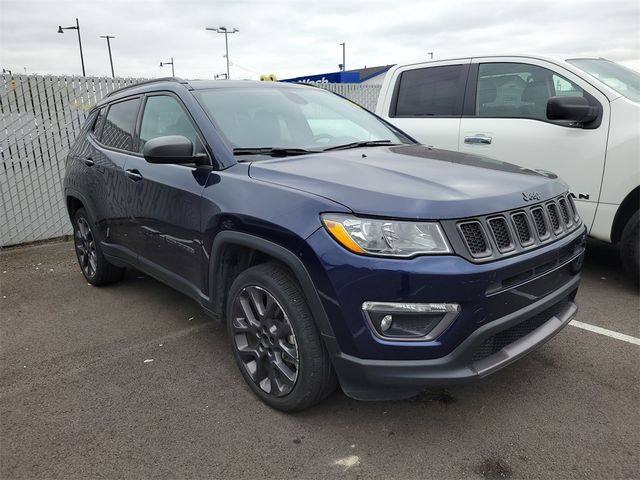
88, 161
478, 140
134, 175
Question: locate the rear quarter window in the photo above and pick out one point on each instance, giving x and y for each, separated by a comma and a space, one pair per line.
98, 123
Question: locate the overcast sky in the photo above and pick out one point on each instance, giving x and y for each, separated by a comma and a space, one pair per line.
291, 38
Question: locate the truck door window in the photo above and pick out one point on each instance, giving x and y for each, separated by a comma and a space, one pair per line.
519, 90
431, 91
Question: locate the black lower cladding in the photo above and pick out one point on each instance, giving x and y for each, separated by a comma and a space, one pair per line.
497, 342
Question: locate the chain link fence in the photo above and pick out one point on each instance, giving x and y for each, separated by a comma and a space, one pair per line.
41, 116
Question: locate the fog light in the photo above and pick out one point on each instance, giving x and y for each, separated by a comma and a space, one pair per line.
409, 321
385, 323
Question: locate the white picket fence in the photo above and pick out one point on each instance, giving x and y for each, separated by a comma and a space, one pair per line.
41, 116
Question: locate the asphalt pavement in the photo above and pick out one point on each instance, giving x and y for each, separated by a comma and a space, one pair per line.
134, 381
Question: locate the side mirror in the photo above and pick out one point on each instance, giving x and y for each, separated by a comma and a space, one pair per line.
574, 109
170, 149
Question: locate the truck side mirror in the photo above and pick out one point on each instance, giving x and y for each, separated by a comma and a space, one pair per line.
574, 109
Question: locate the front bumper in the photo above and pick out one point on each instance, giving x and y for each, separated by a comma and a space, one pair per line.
509, 307
476, 357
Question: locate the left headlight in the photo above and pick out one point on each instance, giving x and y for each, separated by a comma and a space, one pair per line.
386, 237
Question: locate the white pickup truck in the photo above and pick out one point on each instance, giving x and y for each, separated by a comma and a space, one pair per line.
578, 118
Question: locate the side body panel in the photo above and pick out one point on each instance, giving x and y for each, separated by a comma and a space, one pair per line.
622, 168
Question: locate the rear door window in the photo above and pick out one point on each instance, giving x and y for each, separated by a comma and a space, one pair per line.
431, 91
120, 124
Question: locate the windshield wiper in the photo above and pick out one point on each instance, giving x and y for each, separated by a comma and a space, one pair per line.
272, 151
368, 143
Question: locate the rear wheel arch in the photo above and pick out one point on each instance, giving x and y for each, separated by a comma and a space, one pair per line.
627, 208
234, 252
73, 205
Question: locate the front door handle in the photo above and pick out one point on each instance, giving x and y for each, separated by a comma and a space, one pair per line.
478, 140
134, 175
88, 161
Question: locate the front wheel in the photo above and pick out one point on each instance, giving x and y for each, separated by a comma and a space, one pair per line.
274, 339
630, 247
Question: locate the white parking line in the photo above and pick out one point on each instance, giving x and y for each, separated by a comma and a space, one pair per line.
604, 331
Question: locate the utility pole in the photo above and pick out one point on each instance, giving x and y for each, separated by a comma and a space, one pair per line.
173, 72
77, 28
109, 47
344, 65
226, 31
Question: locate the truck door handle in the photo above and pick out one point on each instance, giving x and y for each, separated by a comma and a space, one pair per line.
478, 140
134, 175
88, 161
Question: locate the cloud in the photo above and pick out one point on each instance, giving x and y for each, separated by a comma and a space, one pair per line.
291, 38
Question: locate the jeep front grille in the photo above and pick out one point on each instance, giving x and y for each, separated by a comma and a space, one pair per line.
475, 238
552, 210
500, 231
506, 233
540, 223
522, 228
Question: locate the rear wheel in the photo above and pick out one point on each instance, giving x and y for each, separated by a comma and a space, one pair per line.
275, 342
630, 247
95, 268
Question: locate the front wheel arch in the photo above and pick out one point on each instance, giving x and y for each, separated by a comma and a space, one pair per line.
627, 208
267, 250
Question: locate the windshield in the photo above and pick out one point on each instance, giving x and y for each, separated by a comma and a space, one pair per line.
307, 119
623, 80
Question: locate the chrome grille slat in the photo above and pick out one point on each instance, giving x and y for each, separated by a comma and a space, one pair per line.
502, 234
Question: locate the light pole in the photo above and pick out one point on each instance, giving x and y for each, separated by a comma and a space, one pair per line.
109, 47
226, 31
77, 27
173, 72
430, 54
344, 66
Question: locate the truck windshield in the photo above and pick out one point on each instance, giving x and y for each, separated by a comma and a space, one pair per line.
289, 121
623, 80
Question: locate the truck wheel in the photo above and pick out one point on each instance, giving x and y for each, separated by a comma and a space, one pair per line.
274, 339
630, 247
95, 268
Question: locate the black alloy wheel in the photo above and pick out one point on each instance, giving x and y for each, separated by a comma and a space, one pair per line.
265, 341
86, 248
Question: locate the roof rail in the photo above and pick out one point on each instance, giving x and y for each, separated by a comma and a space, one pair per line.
146, 82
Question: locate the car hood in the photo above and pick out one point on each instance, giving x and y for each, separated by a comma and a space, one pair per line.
411, 181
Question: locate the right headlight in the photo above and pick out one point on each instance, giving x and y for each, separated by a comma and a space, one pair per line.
372, 236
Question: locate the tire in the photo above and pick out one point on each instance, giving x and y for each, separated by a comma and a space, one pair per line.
630, 247
95, 268
266, 341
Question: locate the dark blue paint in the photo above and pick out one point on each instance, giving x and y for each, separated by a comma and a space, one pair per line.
167, 223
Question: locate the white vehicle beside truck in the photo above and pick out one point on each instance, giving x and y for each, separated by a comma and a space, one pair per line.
578, 118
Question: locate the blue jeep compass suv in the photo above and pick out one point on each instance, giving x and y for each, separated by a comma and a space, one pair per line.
336, 249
